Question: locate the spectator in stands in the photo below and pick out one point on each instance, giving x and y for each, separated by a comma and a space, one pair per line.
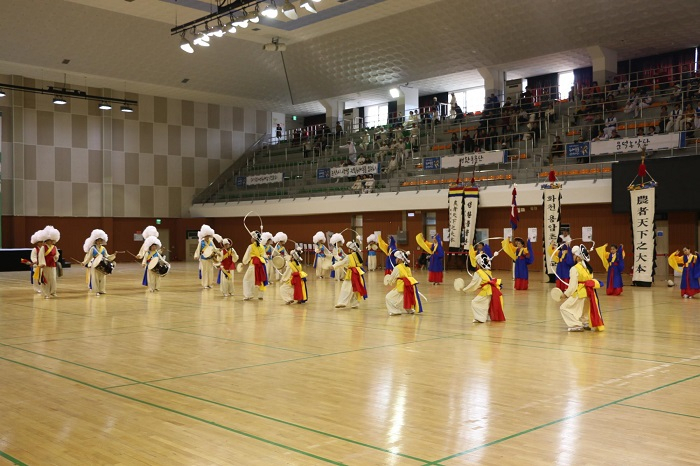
503, 144
674, 120
308, 147
492, 140
557, 150
352, 150
610, 125
550, 114
467, 142
453, 105
508, 103
492, 102
415, 133
369, 184
615, 135
398, 149
687, 122
455, 143
598, 125
382, 152
677, 95
459, 114
365, 141
357, 185
651, 131
361, 160
338, 130
278, 132
393, 165
663, 118
697, 116
582, 159
596, 93
526, 101
631, 104
479, 140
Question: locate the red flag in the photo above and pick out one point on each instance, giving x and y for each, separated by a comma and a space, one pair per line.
514, 217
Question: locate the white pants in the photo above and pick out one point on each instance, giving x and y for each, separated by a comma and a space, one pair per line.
49, 288
673, 125
153, 280
249, 289
226, 283
207, 269
480, 308
320, 273
347, 297
270, 270
372, 262
394, 303
572, 312
98, 281
287, 292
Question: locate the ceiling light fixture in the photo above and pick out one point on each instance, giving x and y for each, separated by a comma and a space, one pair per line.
270, 10
394, 92
126, 109
201, 39
255, 16
308, 6
59, 100
2, 93
185, 44
289, 10
62, 94
104, 106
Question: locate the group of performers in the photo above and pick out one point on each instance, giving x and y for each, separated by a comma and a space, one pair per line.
268, 260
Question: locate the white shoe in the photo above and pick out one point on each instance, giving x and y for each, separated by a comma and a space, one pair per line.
575, 329
394, 313
97, 294
339, 306
247, 299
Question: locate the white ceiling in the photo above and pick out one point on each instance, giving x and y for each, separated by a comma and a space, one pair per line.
355, 50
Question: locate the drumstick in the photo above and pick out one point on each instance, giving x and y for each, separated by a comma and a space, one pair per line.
132, 255
76, 261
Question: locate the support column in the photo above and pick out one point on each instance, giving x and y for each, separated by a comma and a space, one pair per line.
604, 63
494, 82
334, 111
407, 100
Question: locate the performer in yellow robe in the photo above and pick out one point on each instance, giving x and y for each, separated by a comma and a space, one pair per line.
404, 298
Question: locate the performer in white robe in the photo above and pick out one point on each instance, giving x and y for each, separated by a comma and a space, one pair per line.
152, 278
353, 288
255, 278
337, 242
404, 298
581, 290
280, 239
372, 252
293, 288
37, 242
269, 254
96, 252
205, 253
322, 254
488, 303
48, 261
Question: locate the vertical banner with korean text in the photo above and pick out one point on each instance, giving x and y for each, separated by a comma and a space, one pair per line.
551, 198
643, 230
454, 211
471, 206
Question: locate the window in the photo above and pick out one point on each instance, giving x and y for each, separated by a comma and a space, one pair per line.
566, 80
475, 99
376, 115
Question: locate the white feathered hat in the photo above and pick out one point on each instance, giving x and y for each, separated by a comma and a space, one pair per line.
337, 238
280, 237
94, 236
149, 231
319, 237
150, 241
265, 237
206, 230
51, 233
403, 255
37, 237
372, 238
218, 238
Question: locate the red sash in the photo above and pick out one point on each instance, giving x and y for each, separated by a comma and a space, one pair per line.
495, 306
298, 285
260, 273
596, 316
358, 285
409, 297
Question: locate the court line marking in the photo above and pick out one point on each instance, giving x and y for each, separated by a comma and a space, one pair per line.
239, 341
174, 411
658, 410
557, 421
12, 458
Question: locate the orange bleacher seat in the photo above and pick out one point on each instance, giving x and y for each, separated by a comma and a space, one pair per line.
573, 132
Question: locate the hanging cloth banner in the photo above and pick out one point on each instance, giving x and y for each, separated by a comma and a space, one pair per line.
551, 198
644, 232
471, 206
454, 205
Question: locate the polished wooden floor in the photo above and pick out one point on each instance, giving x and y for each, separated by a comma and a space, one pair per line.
187, 377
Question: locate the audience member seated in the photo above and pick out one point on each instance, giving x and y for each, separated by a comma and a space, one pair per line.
674, 119
557, 149
369, 184
357, 185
